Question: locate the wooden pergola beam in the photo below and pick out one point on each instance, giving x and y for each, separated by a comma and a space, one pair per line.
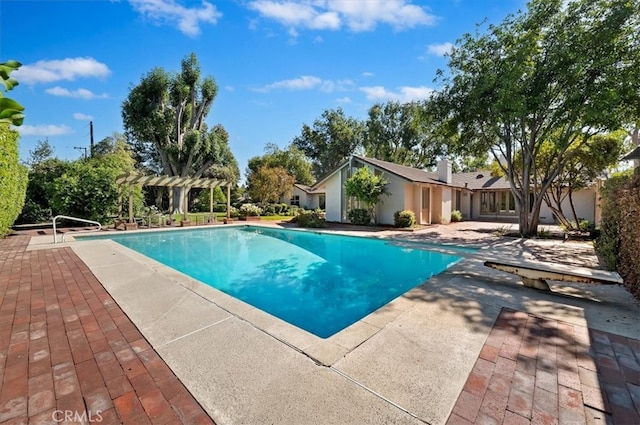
169, 181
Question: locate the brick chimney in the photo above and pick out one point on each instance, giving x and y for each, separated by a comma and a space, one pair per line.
444, 171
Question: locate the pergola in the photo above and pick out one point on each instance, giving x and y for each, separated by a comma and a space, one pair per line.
169, 182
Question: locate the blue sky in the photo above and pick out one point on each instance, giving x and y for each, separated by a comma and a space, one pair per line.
278, 64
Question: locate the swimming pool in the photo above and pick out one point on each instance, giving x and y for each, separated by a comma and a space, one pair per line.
321, 283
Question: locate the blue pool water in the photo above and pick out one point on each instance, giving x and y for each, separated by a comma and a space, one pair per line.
321, 283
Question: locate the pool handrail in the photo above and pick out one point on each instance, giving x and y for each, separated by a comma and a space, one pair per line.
55, 240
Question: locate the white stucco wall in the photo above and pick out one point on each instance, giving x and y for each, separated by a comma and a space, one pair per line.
465, 204
447, 201
393, 202
584, 202
333, 191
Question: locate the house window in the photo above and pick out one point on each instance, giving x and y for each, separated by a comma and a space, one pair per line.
487, 202
295, 200
507, 202
322, 201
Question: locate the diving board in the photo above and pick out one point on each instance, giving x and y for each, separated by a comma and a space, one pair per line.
535, 274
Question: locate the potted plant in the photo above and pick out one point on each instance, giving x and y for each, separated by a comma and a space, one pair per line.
250, 212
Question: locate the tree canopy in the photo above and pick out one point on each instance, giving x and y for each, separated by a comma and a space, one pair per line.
403, 133
269, 184
164, 119
559, 72
11, 112
367, 188
292, 159
332, 139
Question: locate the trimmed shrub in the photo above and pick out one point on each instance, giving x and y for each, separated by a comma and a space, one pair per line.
456, 216
360, 216
404, 218
619, 241
608, 244
233, 212
629, 266
250, 210
311, 219
13, 179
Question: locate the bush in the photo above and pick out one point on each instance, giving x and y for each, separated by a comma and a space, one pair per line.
233, 212
40, 190
619, 242
312, 219
608, 244
456, 216
404, 218
582, 226
250, 210
359, 216
13, 179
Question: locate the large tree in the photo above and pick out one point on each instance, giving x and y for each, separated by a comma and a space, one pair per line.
269, 184
292, 159
564, 69
164, 118
332, 139
403, 133
579, 171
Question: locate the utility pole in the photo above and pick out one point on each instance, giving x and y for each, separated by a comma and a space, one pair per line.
91, 138
82, 148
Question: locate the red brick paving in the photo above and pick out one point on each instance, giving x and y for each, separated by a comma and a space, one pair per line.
66, 346
534, 370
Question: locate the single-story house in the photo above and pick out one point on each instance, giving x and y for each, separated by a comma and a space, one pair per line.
307, 197
432, 196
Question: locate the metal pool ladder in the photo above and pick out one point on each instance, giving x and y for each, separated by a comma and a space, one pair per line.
55, 240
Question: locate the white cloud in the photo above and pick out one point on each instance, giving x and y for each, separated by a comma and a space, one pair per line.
47, 71
172, 13
368, 74
307, 82
46, 130
404, 94
77, 94
82, 117
345, 99
439, 49
357, 15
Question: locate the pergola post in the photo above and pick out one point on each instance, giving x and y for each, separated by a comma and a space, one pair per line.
186, 203
120, 202
170, 189
131, 220
211, 203
228, 201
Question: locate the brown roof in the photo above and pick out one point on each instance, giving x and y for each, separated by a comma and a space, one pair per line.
306, 188
634, 154
409, 173
480, 180
474, 181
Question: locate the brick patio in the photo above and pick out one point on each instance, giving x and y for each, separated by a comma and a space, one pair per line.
66, 346
541, 371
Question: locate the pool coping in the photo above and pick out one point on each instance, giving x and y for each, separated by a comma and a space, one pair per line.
323, 351
408, 368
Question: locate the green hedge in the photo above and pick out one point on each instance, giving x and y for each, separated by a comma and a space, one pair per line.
619, 241
13, 179
404, 219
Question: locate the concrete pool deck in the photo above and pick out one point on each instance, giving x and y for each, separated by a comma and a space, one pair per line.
409, 362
